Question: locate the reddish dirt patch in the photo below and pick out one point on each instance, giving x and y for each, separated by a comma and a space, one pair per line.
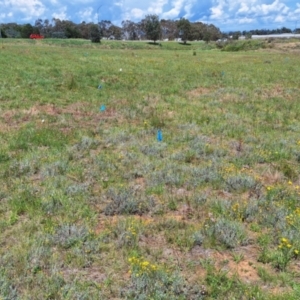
277, 91
140, 182
199, 92
91, 274
77, 111
244, 269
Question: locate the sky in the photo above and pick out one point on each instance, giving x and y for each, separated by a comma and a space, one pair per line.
225, 14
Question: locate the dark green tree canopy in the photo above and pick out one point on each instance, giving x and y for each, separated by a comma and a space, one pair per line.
152, 28
184, 27
95, 34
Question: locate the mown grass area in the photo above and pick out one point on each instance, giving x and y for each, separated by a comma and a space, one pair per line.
93, 206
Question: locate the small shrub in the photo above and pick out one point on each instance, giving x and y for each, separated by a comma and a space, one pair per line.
54, 169
205, 175
155, 149
170, 175
157, 119
127, 201
80, 290
4, 157
150, 281
220, 207
273, 217
198, 238
24, 167
241, 183
86, 143
7, 289
77, 189
198, 145
53, 286
127, 233
199, 200
67, 235
229, 233
52, 205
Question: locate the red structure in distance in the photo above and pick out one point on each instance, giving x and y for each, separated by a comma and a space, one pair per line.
36, 36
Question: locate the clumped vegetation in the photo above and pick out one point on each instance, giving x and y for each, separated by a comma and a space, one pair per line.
243, 45
95, 205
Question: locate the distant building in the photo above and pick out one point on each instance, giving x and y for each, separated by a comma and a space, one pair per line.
276, 36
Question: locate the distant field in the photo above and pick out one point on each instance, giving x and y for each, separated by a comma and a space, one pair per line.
93, 206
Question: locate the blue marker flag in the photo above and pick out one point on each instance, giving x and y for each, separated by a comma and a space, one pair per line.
99, 87
102, 108
159, 135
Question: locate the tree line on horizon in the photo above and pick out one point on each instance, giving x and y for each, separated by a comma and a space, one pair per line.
149, 28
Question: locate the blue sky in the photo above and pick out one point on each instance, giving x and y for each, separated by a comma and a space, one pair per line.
225, 14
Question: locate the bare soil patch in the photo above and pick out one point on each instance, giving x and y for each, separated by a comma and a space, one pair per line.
199, 92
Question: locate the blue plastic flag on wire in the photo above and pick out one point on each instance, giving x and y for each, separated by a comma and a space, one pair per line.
159, 135
102, 108
99, 87
222, 73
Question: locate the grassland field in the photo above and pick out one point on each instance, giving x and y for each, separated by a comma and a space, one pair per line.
93, 206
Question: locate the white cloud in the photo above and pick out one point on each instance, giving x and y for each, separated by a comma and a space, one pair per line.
188, 8
218, 11
62, 14
86, 14
157, 7
246, 20
29, 8
244, 9
297, 11
174, 11
280, 19
136, 13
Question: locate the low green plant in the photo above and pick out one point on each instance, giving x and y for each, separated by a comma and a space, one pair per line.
67, 235
149, 280
226, 232
241, 183
127, 201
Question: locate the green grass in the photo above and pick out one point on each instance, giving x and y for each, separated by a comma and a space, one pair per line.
92, 206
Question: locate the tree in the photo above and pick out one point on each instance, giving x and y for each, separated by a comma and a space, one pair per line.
84, 30
151, 26
184, 27
131, 30
26, 31
168, 29
197, 31
115, 32
71, 30
105, 26
213, 32
95, 34
2, 33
